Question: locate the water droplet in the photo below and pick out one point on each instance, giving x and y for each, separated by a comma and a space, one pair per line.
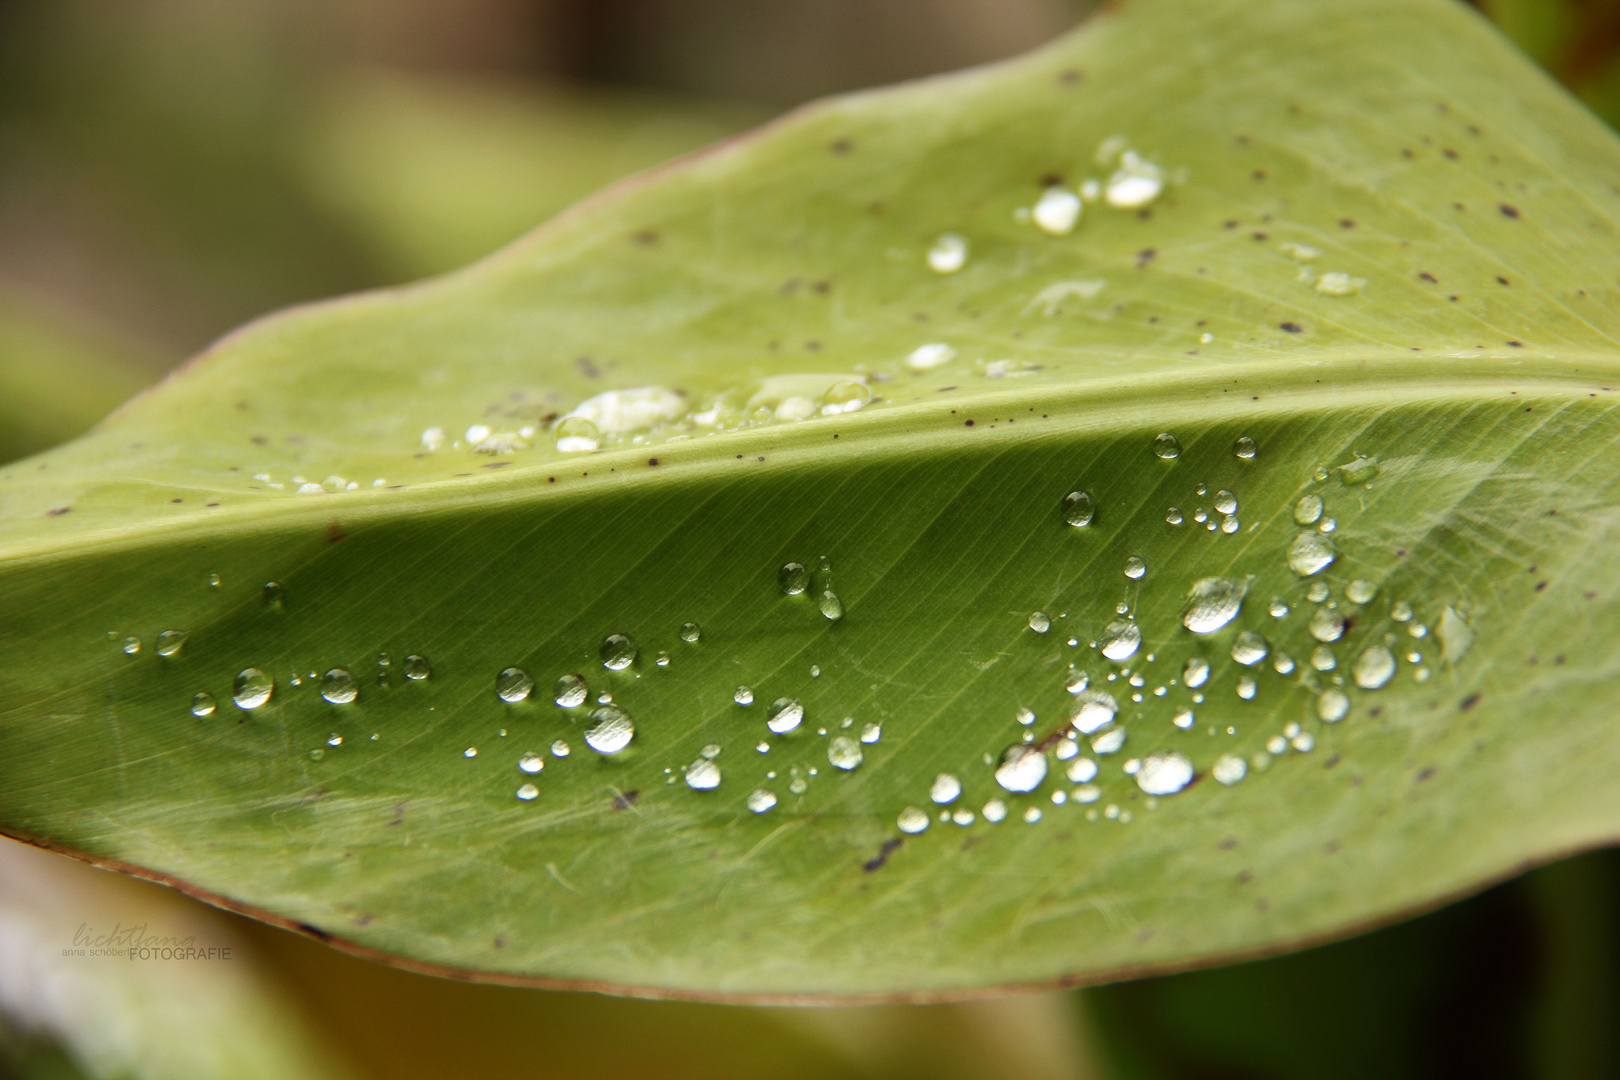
1213, 602
338, 686
1092, 710
760, 800
798, 785
1183, 719
1249, 648
618, 652
252, 688
1109, 741
531, 763
213, 580
611, 730
131, 646
1076, 682
1322, 659
202, 703
1057, 211
784, 715
912, 820
743, 696
417, 667
1226, 502
1032, 815
1230, 525
690, 631
514, 684
794, 578
1082, 770
927, 357
1278, 607
574, 435
528, 792
711, 751
1173, 516
843, 397
871, 733
1304, 742
1165, 446
1310, 553
995, 811
1360, 591
1327, 624
1195, 672
1247, 688
1229, 769
1421, 674
169, 642
1120, 640
1066, 748
830, 605
1400, 611
1078, 508
470, 752
1308, 509
1038, 622
844, 753
1359, 471
1164, 774
944, 789
1332, 706
1135, 184
703, 775
1283, 663
560, 748
948, 254
662, 659
1135, 567
1318, 592
570, 691
1373, 668
1022, 768
1244, 447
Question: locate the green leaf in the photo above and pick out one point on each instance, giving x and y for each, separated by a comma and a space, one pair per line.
1454, 415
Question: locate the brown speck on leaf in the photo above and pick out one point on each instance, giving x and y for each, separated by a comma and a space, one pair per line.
587, 367
1330, 762
1430, 278
1468, 703
259, 440
314, 931
840, 146
1229, 843
499, 943
652, 461
1501, 280
1145, 256
1450, 153
890, 846
625, 800
1069, 76
1509, 211
334, 533
1347, 223
1261, 237
59, 511
1425, 774
1331, 847
1291, 327
645, 238
1229, 224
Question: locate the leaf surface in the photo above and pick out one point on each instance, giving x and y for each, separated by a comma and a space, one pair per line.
1383, 242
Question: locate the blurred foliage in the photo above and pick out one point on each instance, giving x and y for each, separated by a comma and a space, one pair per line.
1577, 41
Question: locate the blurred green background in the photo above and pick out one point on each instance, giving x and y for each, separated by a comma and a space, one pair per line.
172, 168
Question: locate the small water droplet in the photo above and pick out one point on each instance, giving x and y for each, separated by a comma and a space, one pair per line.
513, 684
690, 631
1304, 742
1025, 716
1359, 471
784, 715
1032, 815
1308, 509
1230, 524
830, 605
1418, 630
1310, 553
470, 752
760, 800
1057, 211
798, 785
703, 775
1109, 741
743, 696
169, 642
1283, 664
1082, 770
1022, 768
1373, 668
1200, 489
1195, 672
944, 789
1421, 674
1120, 640
794, 578
417, 667
1135, 184
213, 580
1400, 611
995, 811
611, 730
1229, 769
318, 753
844, 752
1247, 688
531, 763
570, 691
1164, 774
1249, 648
528, 792
1226, 502
560, 748
1327, 524
1093, 710
1173, 516
1078, 508
1135, 567
573, 434
1322, 659
1183, 719
1066, 748
845, 396
1165, 446
202, 703
912, 820
948, 254
1360, 591
927, 357
338, 687
252, 688
1244, 448
131, 646
618, 652
1038, 622
662, 659
711, 751
1332, 706
1213, 602
1278, 607
871, 733
1327, 624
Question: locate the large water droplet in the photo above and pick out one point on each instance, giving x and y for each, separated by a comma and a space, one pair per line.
1327, 624
1135, 567
1195, 672
1244, 448
1038, 622
1078, 509
1213, 602
169, 642
912, 820
1308, 509
618, 652
202, 703
948, 254
1092, 710
252, 688
1120, 640
830, 605
611, 730
1165, 446
1164, 774
1057, 211
945, 788
1109, 741
1022, 768
1135, 184
844, 753
513, 684
1229, 769
703, 775
1249, 648
1373, 668
871, 733
339, 687
570, 691
1310, 553
1332, 706
1226, 502
784, 715
794, 578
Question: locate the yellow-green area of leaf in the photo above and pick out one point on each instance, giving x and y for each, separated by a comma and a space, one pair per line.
1146, 504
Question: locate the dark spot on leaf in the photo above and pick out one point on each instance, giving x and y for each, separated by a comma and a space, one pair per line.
1069, 76
1229, 843
645, 238
1262, 905
1509, 211
1558, 660
1347, 223
1292, 328
1145, 256
625, 799
652, 461
1540, 585
177, 500
499, 943
59, 511
1259, 174
1244, 877
1516, 344
1501, 280
1330, 762
1260, 236
890, 846
314, 931
1331, 847
1452, 154
1230, 224
1430, 278
821, 287
587, 367
969, 423
1468, 703
840, 146
334, 533
259, 440
1425, 774
1050, 179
